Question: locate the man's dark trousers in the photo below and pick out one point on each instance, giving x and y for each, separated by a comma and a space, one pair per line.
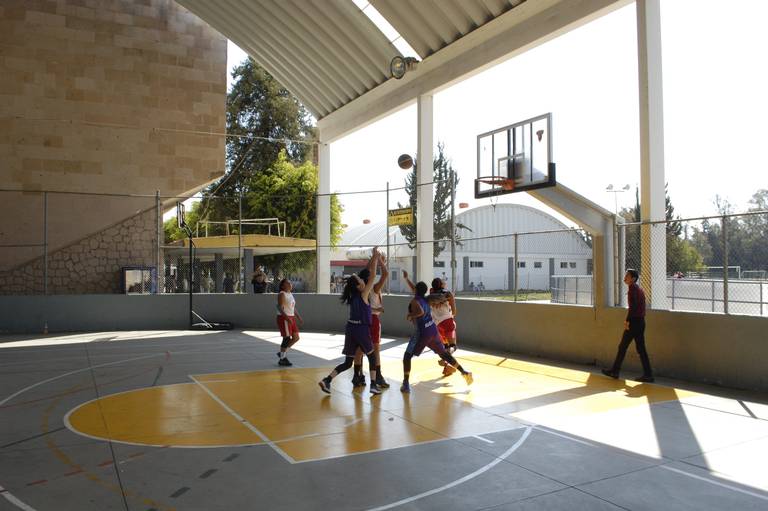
636, 332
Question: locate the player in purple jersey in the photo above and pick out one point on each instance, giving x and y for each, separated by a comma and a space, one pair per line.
358, 330
426, 335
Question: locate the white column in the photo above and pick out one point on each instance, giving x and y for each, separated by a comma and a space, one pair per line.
425, 192
652, 204
324, 218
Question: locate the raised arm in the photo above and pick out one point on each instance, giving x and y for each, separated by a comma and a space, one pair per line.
384, 274
408, 281
367, 286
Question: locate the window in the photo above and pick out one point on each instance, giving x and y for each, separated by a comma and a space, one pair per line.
439, 264
475, 264
572, 265
521, 264
563, 265
537, 264
394, 274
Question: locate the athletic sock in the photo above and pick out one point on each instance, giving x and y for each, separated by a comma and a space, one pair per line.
358, 370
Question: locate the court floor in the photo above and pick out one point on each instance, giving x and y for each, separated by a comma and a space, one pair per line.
170, 420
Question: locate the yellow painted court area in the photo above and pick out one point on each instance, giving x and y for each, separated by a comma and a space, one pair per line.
286, 409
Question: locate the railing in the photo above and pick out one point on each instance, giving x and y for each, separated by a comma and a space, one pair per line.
572, 289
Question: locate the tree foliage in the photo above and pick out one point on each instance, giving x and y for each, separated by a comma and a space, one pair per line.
442, 202
747, 235
682, 255
268, 162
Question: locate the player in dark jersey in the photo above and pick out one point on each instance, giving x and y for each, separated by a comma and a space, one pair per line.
425, 335
358, 330
377, 308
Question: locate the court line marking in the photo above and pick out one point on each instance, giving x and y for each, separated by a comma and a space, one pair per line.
245, 423
716, 483
464, 479
484, 439
5, 493
567, 437
13, 500
666, 467
69, 426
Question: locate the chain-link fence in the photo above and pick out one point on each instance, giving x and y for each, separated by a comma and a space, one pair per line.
69, 243
79, 243
705, 264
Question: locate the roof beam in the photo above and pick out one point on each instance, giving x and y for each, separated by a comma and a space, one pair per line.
527, 25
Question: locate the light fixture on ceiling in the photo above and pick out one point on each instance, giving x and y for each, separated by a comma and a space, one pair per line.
401, 65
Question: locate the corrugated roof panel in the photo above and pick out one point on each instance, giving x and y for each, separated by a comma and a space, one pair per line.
326, 52
429, 25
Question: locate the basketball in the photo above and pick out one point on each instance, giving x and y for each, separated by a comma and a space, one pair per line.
405, 161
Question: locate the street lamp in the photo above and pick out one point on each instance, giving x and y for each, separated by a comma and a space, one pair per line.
614, 191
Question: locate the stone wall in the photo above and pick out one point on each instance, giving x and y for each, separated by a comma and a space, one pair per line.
91, 265
104, 96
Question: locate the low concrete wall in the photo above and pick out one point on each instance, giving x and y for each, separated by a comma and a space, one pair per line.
709, 348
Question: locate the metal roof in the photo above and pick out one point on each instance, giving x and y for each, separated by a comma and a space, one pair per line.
328, 52
429, 25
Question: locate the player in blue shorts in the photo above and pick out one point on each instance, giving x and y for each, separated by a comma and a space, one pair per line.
425, 336
358, 330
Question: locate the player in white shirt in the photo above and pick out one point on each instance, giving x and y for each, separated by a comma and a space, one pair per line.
443, 306
287, 314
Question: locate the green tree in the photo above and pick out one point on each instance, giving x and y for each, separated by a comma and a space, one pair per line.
442, 202
268, 161
682, 254
171, 226
264, 119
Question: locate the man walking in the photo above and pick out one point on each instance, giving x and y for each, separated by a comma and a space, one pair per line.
634, 329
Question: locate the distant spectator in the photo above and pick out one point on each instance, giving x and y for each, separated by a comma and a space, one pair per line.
229, 283
472, 286
259, 281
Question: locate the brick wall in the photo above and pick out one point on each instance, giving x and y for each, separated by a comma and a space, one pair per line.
104, 96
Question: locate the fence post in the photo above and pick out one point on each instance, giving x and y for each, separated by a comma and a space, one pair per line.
517, 263
713, 295
673, 293
240, 276
158, 240
45, 263
577, 290
725, 264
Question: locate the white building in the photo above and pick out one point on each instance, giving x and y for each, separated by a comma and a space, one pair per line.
486, 256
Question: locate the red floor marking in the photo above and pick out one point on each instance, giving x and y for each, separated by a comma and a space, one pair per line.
105, 463
41, 481
136, 455
74, 472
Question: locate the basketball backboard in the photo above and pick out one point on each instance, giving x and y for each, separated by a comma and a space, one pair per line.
515, 158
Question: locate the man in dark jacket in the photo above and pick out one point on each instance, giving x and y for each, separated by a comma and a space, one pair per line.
634, 328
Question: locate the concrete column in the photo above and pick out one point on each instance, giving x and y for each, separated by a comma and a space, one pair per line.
324, 219
510, 273
425, 192
653, 242
248, 267
218, 274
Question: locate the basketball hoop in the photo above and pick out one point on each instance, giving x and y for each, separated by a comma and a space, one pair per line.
502, 182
